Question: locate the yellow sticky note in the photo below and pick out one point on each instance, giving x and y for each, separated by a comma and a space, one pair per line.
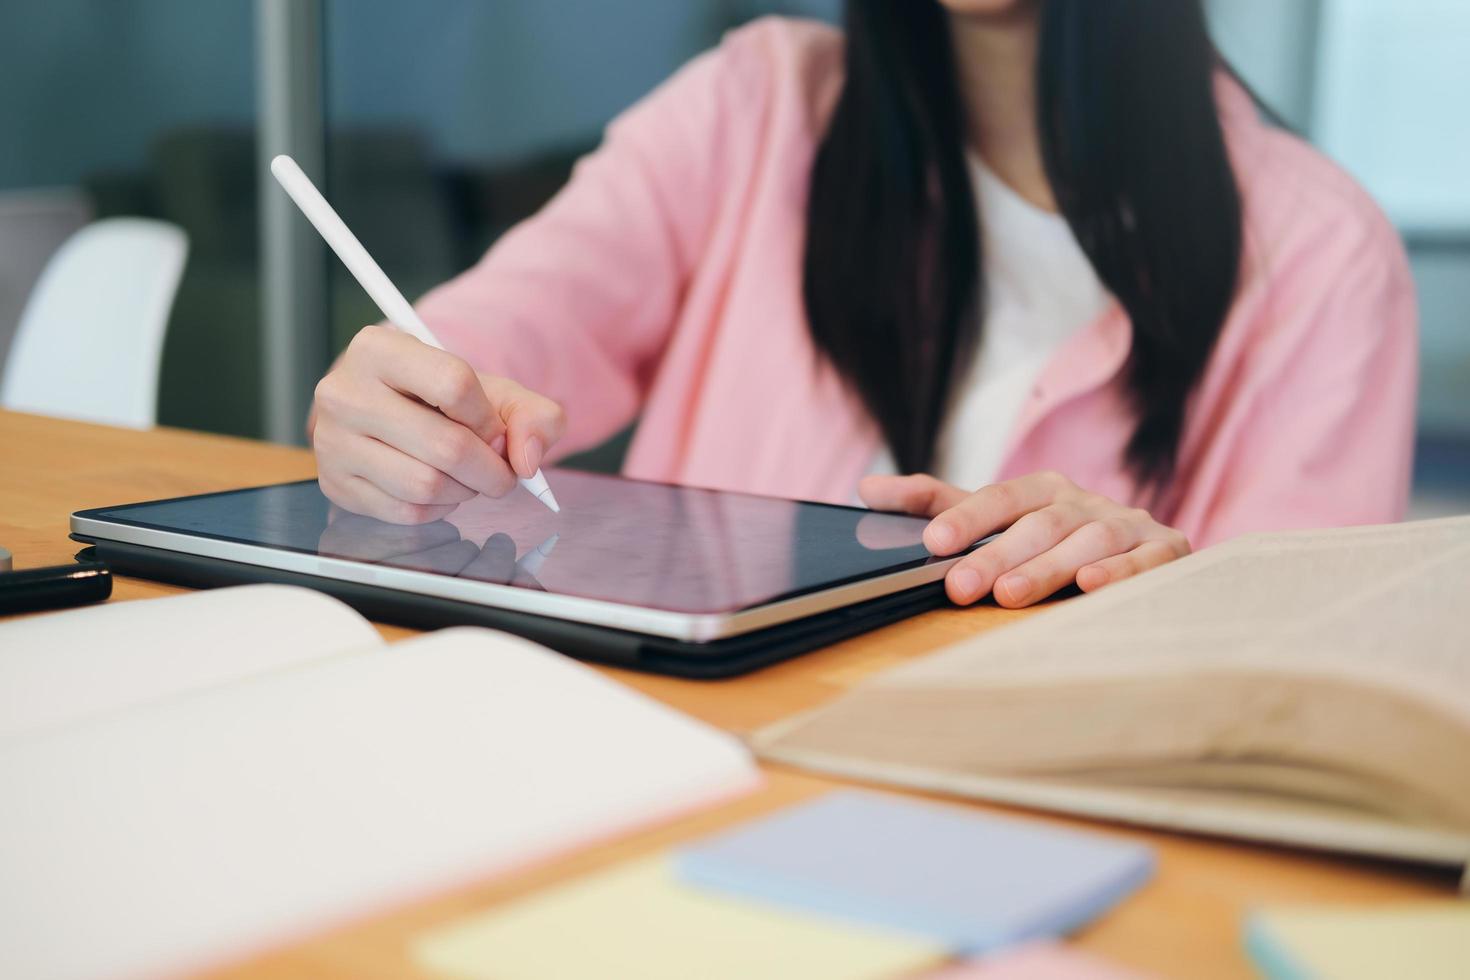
640, 921
1426, 941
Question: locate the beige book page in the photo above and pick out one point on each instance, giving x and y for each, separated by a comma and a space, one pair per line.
1383, 604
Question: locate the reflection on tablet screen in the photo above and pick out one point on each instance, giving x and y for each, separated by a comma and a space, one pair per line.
644, 544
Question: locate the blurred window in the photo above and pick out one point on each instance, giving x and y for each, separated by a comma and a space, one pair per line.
1393, 77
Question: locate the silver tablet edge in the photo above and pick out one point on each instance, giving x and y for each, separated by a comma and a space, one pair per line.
688, 627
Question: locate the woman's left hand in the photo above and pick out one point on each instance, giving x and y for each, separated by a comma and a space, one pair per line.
1055, 534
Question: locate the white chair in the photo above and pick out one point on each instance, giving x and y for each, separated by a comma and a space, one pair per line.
34, 223
90, 340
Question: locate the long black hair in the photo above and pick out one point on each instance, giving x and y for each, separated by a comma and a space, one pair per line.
1135, 154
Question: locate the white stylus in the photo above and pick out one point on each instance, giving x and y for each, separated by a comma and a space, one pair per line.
371, 277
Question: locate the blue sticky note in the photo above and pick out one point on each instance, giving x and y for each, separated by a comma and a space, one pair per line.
974, 882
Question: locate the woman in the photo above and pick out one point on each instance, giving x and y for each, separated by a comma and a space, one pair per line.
1043, 250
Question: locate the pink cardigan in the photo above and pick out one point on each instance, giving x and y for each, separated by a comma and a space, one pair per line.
664, 282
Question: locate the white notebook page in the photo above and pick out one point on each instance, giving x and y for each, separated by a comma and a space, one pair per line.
60, 668
209, 827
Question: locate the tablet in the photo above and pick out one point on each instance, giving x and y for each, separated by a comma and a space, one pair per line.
695, 568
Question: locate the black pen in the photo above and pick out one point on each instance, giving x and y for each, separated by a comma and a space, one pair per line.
35, 589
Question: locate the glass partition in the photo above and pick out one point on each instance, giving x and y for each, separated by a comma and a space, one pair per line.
142, 108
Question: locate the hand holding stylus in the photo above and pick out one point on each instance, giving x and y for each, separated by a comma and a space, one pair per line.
406, 432
382, 449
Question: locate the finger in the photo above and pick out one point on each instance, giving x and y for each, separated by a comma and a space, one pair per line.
1150, 554
977, 573
314, 412
1096, 540
989, 509
351, 406
435, 377
400, 475
361, 497
437, 440
917, 493
368, 539
533, 423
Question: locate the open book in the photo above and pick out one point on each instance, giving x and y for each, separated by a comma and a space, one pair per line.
187, 780
1308, 687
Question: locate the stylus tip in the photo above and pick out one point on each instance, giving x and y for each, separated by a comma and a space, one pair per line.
549, 499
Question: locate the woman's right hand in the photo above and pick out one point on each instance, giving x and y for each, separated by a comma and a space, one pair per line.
405, 432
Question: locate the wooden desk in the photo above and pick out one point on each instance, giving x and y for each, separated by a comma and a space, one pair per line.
1186, 922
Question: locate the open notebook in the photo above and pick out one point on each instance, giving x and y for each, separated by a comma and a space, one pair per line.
1309, 688
188, 780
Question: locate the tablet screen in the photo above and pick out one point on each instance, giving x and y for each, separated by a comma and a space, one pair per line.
642, 544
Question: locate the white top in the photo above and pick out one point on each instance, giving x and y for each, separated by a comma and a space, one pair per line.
1040, 290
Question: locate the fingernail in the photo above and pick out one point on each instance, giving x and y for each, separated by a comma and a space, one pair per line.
531, 456
943, 537
1016, 587
966, 584
497, 445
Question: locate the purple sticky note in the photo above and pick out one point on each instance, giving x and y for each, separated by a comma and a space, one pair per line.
973, 881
